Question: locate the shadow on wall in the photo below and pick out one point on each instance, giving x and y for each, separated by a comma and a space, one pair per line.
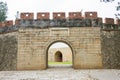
8, 52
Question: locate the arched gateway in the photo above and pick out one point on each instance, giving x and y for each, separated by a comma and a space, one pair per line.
58, 55
33, 45
81, 34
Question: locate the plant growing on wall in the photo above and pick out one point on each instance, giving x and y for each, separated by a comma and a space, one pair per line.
3, 11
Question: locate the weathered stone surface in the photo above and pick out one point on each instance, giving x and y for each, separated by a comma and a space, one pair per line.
94, 44
92, 47
47, 23
110, 41
33, 45
8, 51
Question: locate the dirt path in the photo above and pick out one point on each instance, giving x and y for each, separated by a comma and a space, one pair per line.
62, 73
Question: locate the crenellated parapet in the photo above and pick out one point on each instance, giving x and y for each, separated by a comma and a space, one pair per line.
59, 19
27, 16
6, 23
59, 15
111, 24
43, 15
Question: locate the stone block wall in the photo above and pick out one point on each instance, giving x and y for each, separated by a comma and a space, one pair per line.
65, 51
33, 45
110, 47
8, 51
82, 33
90, 47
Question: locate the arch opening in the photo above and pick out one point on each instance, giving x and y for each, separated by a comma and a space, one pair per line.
59, 53
58, 56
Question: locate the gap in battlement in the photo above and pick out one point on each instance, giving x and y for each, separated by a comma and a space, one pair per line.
58, 15
26, 15
43, 15
91, 14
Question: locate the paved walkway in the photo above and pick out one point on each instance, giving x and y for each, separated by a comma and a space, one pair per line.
62, 73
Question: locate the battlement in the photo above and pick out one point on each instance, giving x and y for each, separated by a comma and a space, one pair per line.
6, 23
59, 19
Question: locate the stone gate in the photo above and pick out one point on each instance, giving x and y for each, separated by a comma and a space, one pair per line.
33, 45
25, 45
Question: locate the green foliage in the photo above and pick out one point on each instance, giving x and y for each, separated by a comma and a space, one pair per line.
55, 63
3, 11
107, 0
118, 6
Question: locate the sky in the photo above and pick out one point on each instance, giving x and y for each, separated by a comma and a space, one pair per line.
59, 45
103, 9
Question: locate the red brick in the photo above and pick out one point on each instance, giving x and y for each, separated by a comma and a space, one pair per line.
100, 20
109, 21
91, 15
17, 22
75, 15
27, 16
43, 15
118, 21
59, 15
2, 24
9, 23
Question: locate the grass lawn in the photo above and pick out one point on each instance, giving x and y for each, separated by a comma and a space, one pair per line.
59, 62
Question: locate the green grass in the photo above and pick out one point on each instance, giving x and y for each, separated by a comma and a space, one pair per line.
59, 62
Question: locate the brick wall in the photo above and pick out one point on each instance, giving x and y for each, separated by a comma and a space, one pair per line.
59, 15
60, 19
109, 21
44, 15
27, 16
75, 15
91, 15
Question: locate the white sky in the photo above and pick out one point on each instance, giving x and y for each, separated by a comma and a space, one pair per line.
103, 9
58, 45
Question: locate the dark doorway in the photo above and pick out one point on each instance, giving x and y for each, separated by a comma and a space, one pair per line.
58, 56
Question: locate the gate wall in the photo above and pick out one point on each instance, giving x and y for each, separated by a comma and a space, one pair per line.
34, 43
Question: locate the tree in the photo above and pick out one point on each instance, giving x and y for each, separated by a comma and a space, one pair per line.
3, 11
107, 0
117, 15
